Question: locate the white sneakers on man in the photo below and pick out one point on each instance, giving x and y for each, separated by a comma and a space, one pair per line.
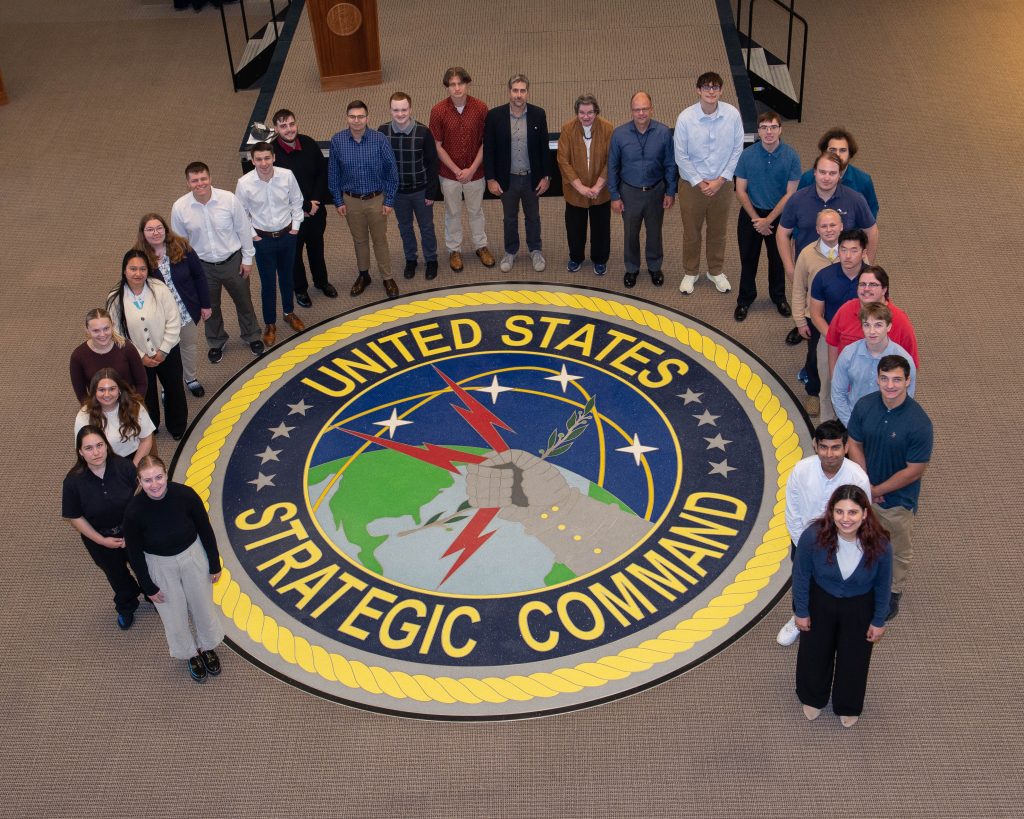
720, 282
539, 263
686, 285
788, 633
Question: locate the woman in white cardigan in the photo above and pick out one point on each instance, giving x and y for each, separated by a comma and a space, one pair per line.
145, 312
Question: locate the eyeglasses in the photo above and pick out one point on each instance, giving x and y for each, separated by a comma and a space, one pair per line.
869, 285
711, 88
775, 127
156, 229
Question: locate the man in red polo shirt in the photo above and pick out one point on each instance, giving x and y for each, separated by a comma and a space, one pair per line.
457, 123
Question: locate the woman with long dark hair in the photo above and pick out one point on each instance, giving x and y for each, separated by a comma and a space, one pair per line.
114, 407
145, 312
841, 581
95, 494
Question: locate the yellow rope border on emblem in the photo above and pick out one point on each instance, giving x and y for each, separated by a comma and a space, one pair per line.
314, 659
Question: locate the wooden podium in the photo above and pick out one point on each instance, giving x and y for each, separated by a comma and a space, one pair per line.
347, 42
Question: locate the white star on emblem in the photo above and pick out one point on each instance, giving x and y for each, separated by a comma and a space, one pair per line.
718, 442
300, 408
280, 431
563, 378
690, 397
495, 390
636, 449
393, 423
707, 418
721, 468
269, 455
262, 480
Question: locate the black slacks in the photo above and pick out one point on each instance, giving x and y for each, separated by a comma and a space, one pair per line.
600, 219
311, 237
750, 242
168, 372
114, 564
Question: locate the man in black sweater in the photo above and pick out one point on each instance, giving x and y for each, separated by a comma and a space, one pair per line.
302, 156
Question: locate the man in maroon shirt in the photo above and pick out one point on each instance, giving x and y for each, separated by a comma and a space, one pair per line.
457, 123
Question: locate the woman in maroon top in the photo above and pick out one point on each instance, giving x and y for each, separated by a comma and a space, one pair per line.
104, 348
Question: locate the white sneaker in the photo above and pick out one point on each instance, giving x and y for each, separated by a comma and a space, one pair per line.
686, 285
506, 263
788, 633
539, 262
720, 282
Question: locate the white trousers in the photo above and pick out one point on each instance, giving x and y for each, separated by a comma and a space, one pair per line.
184, 579
453, 194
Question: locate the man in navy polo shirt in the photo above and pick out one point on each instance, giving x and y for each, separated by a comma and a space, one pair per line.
766, 176
831, 289
891, 439
796, 227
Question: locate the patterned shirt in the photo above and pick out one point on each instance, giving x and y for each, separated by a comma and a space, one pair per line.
165, 271
461, 135
362, 167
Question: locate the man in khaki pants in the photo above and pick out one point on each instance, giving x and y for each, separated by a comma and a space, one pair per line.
363, 178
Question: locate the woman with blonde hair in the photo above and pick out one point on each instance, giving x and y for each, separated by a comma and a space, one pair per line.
104, 347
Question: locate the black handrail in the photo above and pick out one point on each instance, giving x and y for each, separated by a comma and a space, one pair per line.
789, 42
245, 27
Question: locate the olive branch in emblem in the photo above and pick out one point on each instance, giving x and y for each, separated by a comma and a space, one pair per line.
560, 442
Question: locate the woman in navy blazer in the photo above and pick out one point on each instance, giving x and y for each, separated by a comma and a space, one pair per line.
177, 265
841, 580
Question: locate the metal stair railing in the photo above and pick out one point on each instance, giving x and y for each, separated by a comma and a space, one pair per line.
248, 37
793, 15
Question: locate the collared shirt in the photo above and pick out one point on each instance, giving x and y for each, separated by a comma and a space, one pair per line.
641, 160
830, 253
856, 375
833, 287
101, 501
216, 230
362, 167
460, 134
845, 328
768, 173
708, 146
273, 204
855, 179
801, 212
808, 490
520, 155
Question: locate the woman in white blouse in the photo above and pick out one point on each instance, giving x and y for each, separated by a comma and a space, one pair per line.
145, 312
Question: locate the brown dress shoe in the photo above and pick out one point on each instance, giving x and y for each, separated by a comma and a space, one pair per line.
269, 335
361, 283
391, 288
455, 260
486, 257
295, 322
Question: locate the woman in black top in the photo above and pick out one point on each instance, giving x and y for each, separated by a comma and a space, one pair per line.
96, 492
173, 550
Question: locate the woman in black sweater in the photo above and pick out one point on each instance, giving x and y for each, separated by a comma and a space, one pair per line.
173, 549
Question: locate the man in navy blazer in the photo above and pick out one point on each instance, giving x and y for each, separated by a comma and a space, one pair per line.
517, 166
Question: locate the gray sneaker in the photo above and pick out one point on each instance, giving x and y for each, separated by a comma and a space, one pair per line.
538, 261
506, 263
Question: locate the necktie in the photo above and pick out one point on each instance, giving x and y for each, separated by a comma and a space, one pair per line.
831, 254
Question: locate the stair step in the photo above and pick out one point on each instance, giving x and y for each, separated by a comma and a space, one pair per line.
758, 62
257, 45
779, 76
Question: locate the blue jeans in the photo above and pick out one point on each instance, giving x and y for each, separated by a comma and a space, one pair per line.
406, 206
275, 259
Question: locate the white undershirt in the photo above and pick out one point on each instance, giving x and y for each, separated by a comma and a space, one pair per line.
848, 555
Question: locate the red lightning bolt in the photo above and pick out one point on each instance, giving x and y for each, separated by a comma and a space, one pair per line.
470, 539
432, 454
478, 416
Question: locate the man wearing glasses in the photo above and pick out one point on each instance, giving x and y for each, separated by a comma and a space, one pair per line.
708, 141
766, 176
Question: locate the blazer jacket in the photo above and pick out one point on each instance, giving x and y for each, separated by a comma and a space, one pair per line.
498, 144
572, 160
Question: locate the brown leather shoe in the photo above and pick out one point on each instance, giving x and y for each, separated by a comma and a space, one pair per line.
295, 322
455, 260
269, 335
391, 288
486, 257
361, 283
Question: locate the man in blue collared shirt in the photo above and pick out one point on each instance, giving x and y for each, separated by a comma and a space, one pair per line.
363, 177
708, 142
642, 182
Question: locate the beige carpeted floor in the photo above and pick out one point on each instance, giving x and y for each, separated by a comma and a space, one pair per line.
111, 98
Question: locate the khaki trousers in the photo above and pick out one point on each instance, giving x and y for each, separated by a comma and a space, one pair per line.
696, 209
453, 194
367, 222
900, 523
187, 345
184, 579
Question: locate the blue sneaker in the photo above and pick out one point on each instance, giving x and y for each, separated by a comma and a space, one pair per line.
802, 376
600, 269
573, 267
125, 620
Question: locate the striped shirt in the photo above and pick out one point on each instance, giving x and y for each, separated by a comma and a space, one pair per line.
361, 167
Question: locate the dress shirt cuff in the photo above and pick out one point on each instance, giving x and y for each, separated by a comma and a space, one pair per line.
248, 256
296, 224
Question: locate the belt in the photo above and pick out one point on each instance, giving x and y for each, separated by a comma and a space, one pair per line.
520, 173
363, 196
225, 261
644, 187
273, 234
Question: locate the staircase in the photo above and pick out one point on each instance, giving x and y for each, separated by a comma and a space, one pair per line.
771, 78
259, 47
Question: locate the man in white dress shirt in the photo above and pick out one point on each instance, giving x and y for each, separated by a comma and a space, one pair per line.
217, 227
272, 198
811, 484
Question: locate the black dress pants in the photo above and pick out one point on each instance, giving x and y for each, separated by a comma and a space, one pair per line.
600, 219
311, 237
168, 373
750, 243
114, 564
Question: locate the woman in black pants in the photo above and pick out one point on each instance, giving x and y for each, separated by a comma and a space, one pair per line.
841, 584
96, 493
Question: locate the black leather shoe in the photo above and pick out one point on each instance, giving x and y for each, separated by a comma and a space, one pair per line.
410, 269
196, 669
784, 308
431, 273
657, 278
630, 278
894, 606
125, 620
303, 299
215, 354
740, 313
328, 290
793, 337
211, 661
391, 288
256, 347
361, 283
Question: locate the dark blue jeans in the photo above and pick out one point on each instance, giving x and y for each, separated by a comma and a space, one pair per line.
275, 258
415, 204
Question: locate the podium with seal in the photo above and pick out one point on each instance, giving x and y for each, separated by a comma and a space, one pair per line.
347, 42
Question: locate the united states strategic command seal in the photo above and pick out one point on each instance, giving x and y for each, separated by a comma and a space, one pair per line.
484, 503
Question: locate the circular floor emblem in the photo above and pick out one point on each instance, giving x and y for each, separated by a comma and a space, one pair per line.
495, 503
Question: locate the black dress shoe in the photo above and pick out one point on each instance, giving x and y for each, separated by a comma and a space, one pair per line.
630, 278
196, 669
784, 308
125, 620
431, 273
793, 337
894, 606
211, 661
410, 269
740, 313
215, 354
361, 283
657, 278
302, 299
328, 290
256, 347
391, 288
